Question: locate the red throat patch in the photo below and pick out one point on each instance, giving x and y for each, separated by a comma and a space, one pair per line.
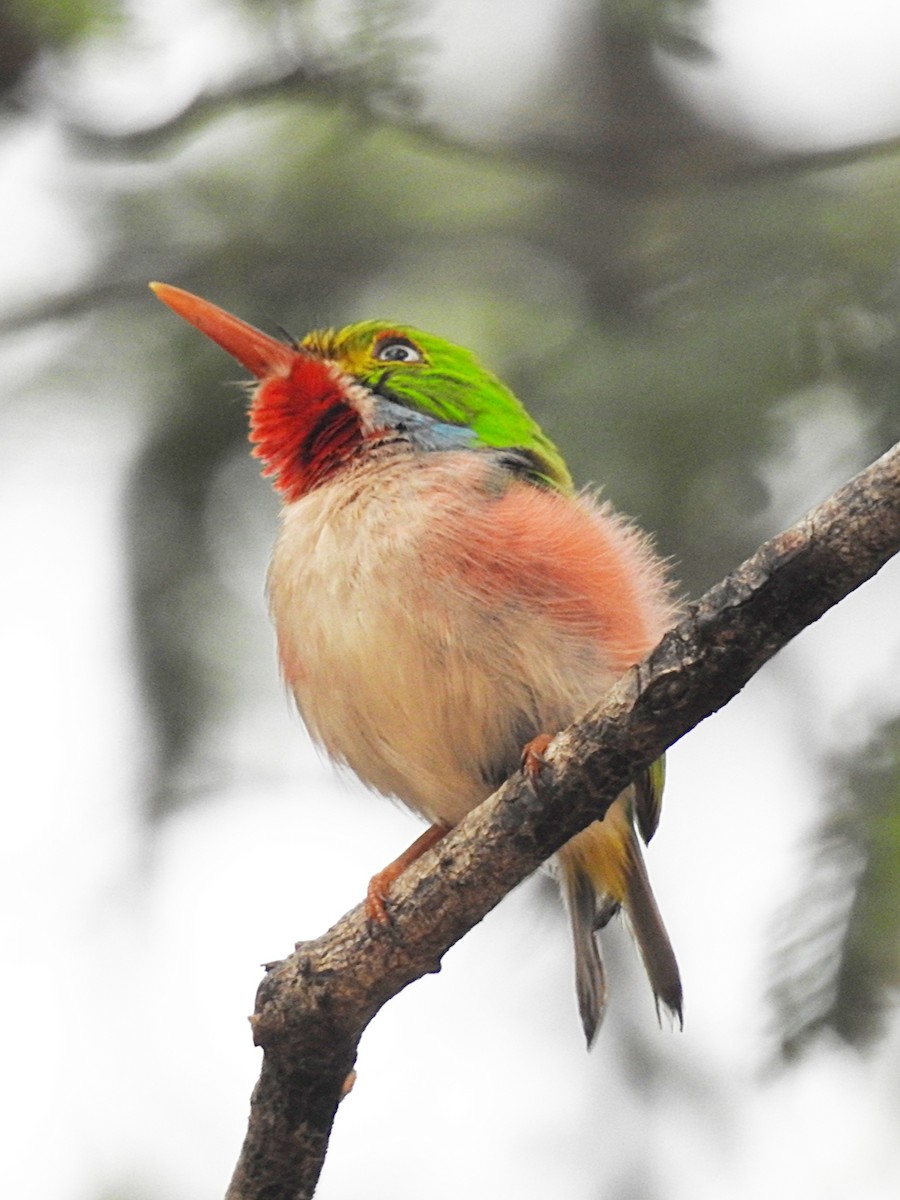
302, 427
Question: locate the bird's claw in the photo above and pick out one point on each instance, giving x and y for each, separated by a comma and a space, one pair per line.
377, 913
533, 760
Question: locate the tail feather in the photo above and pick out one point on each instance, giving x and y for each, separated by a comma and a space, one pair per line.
600, 871
651, 937
590, 978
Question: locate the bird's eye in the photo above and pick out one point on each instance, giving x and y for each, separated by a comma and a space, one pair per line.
396, 349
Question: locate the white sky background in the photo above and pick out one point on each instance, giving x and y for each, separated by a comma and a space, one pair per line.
131, 972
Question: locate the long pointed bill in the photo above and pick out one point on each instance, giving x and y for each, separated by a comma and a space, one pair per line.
260, 354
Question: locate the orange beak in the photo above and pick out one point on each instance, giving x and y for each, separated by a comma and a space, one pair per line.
260, 354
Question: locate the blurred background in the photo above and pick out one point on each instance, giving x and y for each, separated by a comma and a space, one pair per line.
674, 228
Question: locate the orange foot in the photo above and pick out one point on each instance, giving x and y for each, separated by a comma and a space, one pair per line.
376, 893
533, 752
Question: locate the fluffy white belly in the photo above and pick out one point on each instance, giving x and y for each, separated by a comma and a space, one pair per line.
406, 663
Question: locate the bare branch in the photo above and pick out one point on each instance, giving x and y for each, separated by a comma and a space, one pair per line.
331, 82
313, 1007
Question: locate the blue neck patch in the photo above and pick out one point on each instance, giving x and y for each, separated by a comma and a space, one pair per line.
423, 432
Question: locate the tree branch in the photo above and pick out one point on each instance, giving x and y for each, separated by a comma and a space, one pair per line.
330, 82
313, 1007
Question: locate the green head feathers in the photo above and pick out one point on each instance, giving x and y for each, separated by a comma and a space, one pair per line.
307, 419
440, 380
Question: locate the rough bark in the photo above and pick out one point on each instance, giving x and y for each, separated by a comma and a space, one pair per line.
313, 1007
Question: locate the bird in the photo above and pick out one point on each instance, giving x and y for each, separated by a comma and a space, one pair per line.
445, 600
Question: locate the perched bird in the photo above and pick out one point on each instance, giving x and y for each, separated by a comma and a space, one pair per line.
443, 598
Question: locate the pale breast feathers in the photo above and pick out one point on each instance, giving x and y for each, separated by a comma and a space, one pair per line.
377, 584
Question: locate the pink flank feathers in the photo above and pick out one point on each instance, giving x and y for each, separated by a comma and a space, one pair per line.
590, 571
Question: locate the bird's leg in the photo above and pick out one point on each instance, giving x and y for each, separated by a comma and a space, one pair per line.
376, 893
533, 760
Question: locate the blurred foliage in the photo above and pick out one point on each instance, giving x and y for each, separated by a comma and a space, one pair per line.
838, 960
668, 24
381, 58
655, 288
29, 28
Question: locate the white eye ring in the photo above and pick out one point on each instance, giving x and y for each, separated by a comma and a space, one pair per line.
398, 350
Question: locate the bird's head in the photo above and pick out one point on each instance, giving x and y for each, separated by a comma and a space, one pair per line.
326, 401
